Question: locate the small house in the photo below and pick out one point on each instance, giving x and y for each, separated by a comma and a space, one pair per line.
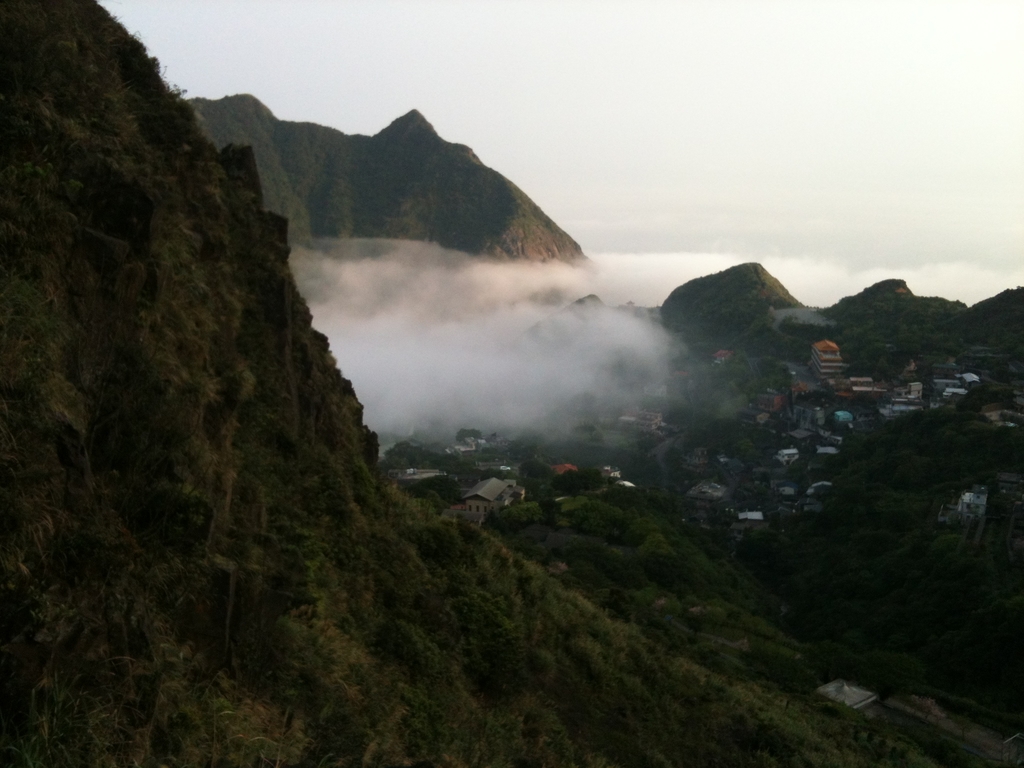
492, 494
787, 456
787, 489
771, 401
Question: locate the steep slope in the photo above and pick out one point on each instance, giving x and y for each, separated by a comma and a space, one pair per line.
731, 307
405, 182
200, 566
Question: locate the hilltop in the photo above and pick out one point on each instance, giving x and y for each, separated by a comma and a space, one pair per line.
727, 308
405, 182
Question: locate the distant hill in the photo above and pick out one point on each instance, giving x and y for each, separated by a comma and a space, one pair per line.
890, 303
405, 182
728, 307
884, 325
998, 322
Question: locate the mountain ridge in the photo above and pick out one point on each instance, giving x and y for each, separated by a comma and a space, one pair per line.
404, 182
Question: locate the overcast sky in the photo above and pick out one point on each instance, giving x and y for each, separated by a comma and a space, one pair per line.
840, 141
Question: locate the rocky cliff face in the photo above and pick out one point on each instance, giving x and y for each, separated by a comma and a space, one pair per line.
405, 182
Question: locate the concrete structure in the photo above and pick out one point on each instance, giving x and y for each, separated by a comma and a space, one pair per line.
826, 360
413, 475
707, 491
847, 693
492, 494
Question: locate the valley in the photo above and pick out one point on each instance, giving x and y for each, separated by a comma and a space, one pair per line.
311, 454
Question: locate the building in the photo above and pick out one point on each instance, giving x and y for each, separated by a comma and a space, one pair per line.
771, 401
561, 469
747, 521
722, 355
826, 360
842, 417
492, 494
706, 491
971, 504
809, 416
787, 456
787, 489
750, 415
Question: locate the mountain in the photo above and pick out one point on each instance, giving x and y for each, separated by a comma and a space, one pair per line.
201, 563
727, 308
891, 304
883, 326
998, 322
405, 182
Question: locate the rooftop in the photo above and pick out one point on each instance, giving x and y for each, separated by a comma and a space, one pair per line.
489, 489
847, 693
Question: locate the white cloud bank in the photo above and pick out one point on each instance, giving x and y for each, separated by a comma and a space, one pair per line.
434, 340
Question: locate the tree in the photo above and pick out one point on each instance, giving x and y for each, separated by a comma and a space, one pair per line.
575, 482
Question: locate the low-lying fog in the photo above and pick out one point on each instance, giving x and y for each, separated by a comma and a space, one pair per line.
435, 340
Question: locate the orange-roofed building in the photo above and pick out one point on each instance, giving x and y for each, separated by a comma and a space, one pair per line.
563, 468
826, 360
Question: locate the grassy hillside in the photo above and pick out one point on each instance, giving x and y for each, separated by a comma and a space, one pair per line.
885, 324
729, 308
201, 566
405, 182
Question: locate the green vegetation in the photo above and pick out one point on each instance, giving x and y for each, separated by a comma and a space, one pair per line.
899, 600
881, 328
405, 182
729, 308
998, 322
201, 566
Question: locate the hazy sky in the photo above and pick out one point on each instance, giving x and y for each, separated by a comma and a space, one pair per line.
840, 141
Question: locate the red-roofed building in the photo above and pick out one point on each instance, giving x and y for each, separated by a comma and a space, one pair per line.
722, 355
563, 468
826, 360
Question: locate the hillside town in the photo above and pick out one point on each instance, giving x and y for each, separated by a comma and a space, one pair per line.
774, 469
